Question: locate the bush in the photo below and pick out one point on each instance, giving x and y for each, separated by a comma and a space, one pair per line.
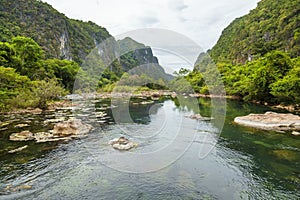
38, 94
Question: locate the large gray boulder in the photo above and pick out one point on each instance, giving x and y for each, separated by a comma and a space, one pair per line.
270, 121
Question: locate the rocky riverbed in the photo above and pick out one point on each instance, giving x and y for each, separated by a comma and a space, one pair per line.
66, 130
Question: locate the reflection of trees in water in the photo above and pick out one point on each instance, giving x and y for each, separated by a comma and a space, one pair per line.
141, 113
190, 104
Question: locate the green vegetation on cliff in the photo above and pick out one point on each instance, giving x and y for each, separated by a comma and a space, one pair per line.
59, 36
272, 25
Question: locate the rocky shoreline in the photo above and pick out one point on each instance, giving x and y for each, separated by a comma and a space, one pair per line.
70, 100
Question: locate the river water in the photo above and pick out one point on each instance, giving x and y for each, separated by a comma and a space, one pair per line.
177, 157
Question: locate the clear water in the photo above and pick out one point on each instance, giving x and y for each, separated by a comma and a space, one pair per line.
242, 163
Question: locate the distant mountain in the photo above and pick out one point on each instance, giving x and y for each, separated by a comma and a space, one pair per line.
272, 25
139, 59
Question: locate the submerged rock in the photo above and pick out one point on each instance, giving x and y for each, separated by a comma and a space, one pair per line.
21, 125
270, 121
11, 188
18, 149
285, 154
56, 120
199, 117
147, 102
122, 143
22, 136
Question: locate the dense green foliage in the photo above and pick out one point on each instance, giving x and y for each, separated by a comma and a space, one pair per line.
272, 78
27, 79
273, 25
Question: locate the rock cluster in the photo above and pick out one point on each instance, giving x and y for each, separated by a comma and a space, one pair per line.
65, 130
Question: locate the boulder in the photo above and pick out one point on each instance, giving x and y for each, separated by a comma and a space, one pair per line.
122, 143
71, 127
270, 121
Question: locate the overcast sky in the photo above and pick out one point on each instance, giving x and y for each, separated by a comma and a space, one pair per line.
200, 20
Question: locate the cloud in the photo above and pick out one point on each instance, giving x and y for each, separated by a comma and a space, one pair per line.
148, 21
177, 5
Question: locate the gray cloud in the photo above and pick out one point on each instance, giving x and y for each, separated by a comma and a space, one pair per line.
148, 20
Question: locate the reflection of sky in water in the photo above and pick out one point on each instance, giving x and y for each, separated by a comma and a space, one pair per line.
171, 62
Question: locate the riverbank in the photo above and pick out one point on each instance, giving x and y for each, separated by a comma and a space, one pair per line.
70, 100
52, 106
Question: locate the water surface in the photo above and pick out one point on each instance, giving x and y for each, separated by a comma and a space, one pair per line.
243, 163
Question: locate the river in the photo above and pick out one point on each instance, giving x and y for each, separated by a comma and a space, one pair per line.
177, 157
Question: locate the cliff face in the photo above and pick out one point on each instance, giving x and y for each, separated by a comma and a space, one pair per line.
59, 36
135, 54
272, 25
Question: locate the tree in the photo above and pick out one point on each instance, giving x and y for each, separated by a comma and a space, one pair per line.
29, 55
7, 55
287, 89
11, 84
